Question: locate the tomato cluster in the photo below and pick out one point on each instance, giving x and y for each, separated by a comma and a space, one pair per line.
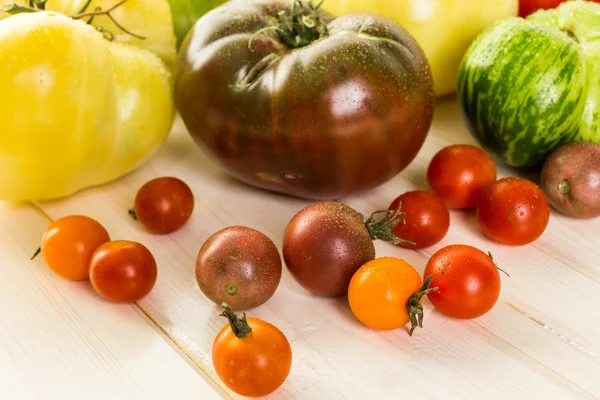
79, 248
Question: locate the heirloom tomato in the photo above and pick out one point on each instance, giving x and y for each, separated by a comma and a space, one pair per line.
290, 99
77, 110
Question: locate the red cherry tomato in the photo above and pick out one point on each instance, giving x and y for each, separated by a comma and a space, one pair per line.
459, 173
68, 244
123, 271
467, 279
513, 211
163, 205
427, 219
527, 7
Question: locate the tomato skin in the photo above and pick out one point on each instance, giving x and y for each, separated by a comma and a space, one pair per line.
513, 211
319, 121
323, 246
379, 291
255, 365
123, 271
468, 281
68, 244
163, 205
427, 219
240, 266
527, 7
459, 173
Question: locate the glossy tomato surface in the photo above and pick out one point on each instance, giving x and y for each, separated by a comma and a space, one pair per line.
467, 279
123, 271
459, 173
68, 244
323, 246
238, 265
513, 211
427, 219
329, 117
163, 205
379, 292
255, 365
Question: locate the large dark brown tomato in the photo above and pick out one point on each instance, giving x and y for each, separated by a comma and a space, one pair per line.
337, 107
325, 243
240, 266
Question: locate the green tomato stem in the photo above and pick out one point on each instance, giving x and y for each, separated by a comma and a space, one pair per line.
382, 228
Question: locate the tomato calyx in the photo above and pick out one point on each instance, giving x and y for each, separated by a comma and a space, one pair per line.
40, 5
414, 307
238, 325
132, 214
300, 27
382, 228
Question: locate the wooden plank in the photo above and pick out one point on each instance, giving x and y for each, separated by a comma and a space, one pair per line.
59, 340
540, 340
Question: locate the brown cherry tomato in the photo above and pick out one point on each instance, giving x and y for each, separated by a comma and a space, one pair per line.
251, 356
123, 271
513, 211
163, 205
427, 219
459, 173
68, 244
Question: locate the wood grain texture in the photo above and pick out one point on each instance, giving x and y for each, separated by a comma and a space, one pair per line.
59, 340
542, 340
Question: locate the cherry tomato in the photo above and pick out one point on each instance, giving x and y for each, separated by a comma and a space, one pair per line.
386, 293
163, 205
68, 244
251, 356
123, 271
467, 279
459, 173
427, 219
513, 211
527, 7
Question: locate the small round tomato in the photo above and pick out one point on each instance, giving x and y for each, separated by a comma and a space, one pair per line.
459, 173
68, 244
513, 211
251, 356
386, 293
123, 271
426, 219
163, 205
467, 279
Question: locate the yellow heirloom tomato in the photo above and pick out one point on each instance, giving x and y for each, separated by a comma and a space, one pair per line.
76, 109
443, 28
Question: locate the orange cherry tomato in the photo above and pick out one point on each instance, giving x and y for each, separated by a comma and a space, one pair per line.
251, 356
163, 205
386, 293
68, 244
459, 173
123, 271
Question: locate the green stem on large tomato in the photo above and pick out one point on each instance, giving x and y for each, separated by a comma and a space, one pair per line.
414, 307
238, 325
382, 228
300, 26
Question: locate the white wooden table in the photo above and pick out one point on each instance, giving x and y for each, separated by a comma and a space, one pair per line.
59, 340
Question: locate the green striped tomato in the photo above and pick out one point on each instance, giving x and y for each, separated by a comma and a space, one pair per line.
526, 86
